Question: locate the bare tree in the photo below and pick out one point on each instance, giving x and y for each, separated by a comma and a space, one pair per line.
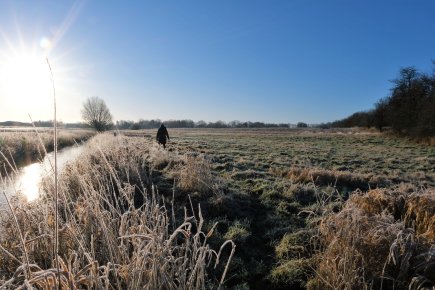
96, 114
380, 113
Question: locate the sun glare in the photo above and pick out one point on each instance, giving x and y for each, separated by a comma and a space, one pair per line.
24, 78
29, 181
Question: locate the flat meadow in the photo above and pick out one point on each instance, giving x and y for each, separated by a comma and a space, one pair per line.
233, 209
273, 188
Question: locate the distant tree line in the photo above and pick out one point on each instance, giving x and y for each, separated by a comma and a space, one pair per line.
44, 124
155, 123
14, 124
409, 110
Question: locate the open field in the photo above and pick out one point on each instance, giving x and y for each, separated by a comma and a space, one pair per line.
275, 182
318, 210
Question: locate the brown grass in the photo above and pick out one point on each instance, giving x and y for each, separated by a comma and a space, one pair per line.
27, 146
159, 157
379, 239
106, 241
280, 195
322, 177
196, 173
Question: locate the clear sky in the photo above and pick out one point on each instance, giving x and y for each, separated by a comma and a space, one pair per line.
271, 61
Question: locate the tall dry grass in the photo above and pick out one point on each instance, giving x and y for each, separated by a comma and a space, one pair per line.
196, 173
27, 146
383, 239
114, 233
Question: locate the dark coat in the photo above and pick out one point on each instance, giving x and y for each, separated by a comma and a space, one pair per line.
162, 134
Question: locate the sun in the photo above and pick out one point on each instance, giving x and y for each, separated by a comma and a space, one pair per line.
25, 79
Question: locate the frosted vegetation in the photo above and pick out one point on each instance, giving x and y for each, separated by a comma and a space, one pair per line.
232, 208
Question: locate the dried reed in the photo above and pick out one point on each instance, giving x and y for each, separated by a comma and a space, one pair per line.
105, 240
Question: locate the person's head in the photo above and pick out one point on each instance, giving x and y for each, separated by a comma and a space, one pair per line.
162, 125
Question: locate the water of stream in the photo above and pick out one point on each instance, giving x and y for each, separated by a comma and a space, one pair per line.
28, 180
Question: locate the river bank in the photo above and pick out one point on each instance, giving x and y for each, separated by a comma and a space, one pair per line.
23, 147
27, 181
101, 225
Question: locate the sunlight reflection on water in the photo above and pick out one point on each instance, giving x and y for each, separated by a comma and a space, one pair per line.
28, 181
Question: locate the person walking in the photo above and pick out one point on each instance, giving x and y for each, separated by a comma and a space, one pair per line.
162, 133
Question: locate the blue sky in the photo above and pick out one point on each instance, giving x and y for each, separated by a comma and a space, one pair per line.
271, 61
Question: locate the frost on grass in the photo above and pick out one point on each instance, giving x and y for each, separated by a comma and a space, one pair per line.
105, 240
381, 239
27, 146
